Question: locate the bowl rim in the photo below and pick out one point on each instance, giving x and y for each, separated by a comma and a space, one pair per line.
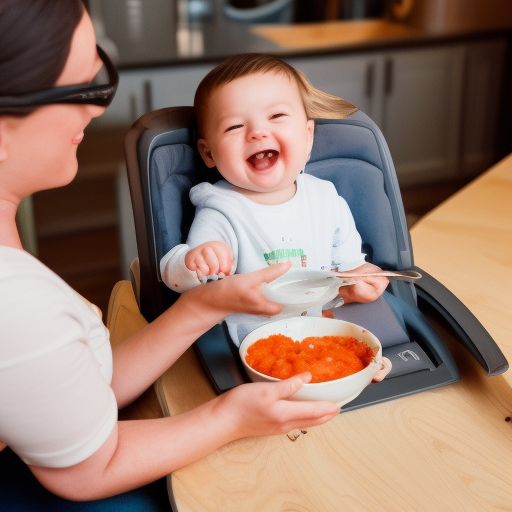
376, 360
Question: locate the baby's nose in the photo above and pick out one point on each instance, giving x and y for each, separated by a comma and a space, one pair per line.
258, 133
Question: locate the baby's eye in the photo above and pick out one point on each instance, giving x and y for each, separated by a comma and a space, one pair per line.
275, 116
234, 127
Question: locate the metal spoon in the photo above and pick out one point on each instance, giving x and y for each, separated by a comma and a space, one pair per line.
306, 286
403, 275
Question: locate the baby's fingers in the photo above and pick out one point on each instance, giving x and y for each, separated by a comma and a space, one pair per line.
386, 368
211, 261
226, 261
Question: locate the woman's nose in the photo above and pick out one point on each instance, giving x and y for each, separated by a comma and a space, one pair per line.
95, 110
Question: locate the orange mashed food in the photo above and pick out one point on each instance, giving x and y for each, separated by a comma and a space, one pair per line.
325, 357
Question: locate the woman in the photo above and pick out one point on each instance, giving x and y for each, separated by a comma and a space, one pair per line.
60, 384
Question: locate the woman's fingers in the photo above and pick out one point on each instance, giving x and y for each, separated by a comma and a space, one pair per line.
290, 386
272, 272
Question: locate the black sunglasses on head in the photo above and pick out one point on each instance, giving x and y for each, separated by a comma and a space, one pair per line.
90, 93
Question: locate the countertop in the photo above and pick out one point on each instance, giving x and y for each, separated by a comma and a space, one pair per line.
166, 41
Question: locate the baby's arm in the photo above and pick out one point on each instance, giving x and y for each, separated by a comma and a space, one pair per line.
348, 257
180, 265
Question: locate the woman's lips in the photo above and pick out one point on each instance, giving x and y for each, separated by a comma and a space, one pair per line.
78, 138
263, 160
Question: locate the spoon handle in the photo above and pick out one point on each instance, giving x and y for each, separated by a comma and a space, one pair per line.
403, 275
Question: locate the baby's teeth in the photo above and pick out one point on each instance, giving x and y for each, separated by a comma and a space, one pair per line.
259, 156
269, 155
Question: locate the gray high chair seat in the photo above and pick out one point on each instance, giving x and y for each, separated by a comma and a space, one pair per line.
163, 165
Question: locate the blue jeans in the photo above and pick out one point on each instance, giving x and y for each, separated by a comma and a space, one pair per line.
21, 492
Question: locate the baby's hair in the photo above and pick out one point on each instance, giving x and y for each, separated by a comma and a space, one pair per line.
317, 104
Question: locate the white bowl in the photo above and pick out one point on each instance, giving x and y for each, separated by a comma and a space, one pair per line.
340, 391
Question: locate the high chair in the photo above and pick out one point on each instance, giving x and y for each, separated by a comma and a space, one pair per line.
163, 165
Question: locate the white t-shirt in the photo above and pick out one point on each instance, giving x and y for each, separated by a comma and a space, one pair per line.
56, 404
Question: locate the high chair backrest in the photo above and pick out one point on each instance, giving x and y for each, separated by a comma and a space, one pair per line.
163, 164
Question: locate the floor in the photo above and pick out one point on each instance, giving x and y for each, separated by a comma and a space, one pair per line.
77, 225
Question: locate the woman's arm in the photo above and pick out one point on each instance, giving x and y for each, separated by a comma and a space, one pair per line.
141, 359
138, 452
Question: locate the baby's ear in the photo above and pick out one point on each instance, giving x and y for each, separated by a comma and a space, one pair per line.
310, 135
3, 140
206, 154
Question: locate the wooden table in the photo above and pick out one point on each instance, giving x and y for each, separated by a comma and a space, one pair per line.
448, 449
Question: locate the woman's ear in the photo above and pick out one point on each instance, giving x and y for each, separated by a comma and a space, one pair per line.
205, 152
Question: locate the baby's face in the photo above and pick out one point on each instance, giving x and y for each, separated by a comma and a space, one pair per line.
258, 135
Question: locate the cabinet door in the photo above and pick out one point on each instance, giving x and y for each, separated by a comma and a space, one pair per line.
144, 90
353, 78
421, 115
176, 86
482, 91
130, 102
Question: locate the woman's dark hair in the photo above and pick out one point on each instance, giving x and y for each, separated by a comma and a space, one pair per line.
35, 38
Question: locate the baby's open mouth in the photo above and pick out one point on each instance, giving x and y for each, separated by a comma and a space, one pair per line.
264, 159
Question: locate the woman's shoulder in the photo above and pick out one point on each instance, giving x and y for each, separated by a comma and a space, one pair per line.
40, 310
16, 264
28, 284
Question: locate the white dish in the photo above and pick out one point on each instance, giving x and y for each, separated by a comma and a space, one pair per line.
340, 391
301, 288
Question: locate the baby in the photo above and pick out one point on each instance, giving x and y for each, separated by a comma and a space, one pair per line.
255, 122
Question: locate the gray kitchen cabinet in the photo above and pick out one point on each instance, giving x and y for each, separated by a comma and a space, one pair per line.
176, 87
481, 103
422, 103
351, 77
132, 99
437, 106
141, 91
413, 95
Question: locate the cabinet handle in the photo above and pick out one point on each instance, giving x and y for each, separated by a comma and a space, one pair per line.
148, 96
388, 77
133, 108
370, 77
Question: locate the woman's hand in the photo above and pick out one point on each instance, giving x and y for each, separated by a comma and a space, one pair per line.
263, 408
366, 289
239, 293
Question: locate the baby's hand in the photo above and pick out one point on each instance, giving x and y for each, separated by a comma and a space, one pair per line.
210, 258
366, 289
386, 368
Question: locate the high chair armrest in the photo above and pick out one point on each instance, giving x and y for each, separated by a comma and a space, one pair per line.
470, 332
123, 316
